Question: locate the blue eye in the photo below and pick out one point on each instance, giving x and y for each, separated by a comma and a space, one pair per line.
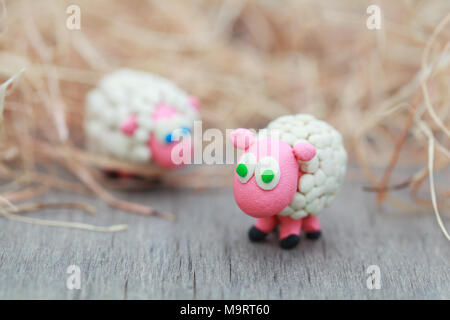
169, 138
174, 136
185, 130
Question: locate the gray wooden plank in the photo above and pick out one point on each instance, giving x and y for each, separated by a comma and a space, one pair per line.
205, 253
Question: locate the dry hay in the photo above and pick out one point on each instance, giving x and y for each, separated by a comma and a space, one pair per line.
386, 90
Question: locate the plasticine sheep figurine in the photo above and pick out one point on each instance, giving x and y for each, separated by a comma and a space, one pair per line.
287, 175
139, 117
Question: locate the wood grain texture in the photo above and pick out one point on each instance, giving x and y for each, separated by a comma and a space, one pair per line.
205, 253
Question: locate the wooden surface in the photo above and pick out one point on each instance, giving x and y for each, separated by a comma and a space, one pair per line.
205, 253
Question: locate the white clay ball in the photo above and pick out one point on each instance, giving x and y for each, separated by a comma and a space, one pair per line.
306, 183
323, 175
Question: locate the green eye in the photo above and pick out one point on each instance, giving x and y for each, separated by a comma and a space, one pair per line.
246, 167
267, 176
267, 173
242, 170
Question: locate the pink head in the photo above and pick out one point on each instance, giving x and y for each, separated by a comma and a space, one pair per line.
266, 176
169, 125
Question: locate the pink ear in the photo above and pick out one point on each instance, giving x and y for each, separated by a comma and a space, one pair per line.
129, 125
194, 103
242, 138
304, 151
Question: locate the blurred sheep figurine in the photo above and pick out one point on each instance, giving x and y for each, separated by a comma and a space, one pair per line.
139, 117
289, 173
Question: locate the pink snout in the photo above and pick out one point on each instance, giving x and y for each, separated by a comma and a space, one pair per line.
259, 203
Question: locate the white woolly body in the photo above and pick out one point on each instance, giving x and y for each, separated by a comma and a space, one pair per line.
324, 174
126, 92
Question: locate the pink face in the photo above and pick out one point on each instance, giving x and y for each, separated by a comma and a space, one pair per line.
265, 179
165, 140
162, 152
162, 142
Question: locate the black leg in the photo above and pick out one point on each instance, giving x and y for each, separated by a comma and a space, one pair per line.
111, 174
256, 235
290, 241
313, 235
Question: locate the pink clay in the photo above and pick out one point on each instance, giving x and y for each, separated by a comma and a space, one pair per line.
289, 226
304, 151
311, 224
194, 102
129, 125
266, 224
260, 203
164, 111
162, 153
242, 138
267, 204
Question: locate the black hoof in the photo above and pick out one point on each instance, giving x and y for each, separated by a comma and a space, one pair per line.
256, 235
313, 235
290, 241
111, 174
